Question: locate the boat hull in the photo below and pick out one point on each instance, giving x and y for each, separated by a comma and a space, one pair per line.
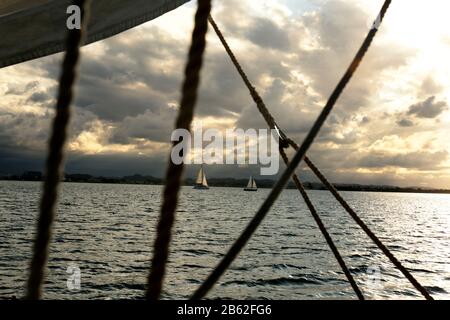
201, 187
250, 189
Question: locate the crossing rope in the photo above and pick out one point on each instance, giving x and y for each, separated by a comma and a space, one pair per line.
272, 124
366, 229
323, 229
301, 151
55, 158
174, 172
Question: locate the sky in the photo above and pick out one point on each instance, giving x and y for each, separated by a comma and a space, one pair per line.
391, 126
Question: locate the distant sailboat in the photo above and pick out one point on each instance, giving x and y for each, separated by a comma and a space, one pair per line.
251, 186
201, 182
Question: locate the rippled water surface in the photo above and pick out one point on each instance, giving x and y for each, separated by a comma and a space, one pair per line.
108, 231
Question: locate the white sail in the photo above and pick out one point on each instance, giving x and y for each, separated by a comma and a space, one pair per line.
201, 182
250, 182
204, 182
251, 185
35, 28
200, 176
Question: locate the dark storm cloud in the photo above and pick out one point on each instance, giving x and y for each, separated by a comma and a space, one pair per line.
101, 89
113, 103
152, 125
24, 131
117, 165
30, 132
126, 81
430, 108
16, 160
141, 62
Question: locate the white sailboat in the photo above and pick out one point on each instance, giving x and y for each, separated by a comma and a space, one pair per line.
251, 186
201, 183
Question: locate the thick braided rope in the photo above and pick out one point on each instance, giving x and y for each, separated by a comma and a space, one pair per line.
323, 229
55, 159
174, 172
272, 124
298, 157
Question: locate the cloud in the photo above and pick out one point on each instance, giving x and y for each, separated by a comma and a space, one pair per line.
429, 87
415, 160
19, 89
152, 125
336, 39
267, 34
405, 123
428, 108
40, 97
129, 90
365, 120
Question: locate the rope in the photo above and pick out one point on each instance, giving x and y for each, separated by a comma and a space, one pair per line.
279, 186
324, 230
174, 172
55, 157
272, 124
366, 229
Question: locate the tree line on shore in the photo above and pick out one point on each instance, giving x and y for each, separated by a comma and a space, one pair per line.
216, 182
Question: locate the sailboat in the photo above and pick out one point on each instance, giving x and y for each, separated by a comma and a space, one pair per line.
201, 183
251, 186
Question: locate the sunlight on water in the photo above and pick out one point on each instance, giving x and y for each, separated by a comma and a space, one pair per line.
107, 232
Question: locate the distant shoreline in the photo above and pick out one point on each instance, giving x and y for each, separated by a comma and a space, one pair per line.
222, 182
